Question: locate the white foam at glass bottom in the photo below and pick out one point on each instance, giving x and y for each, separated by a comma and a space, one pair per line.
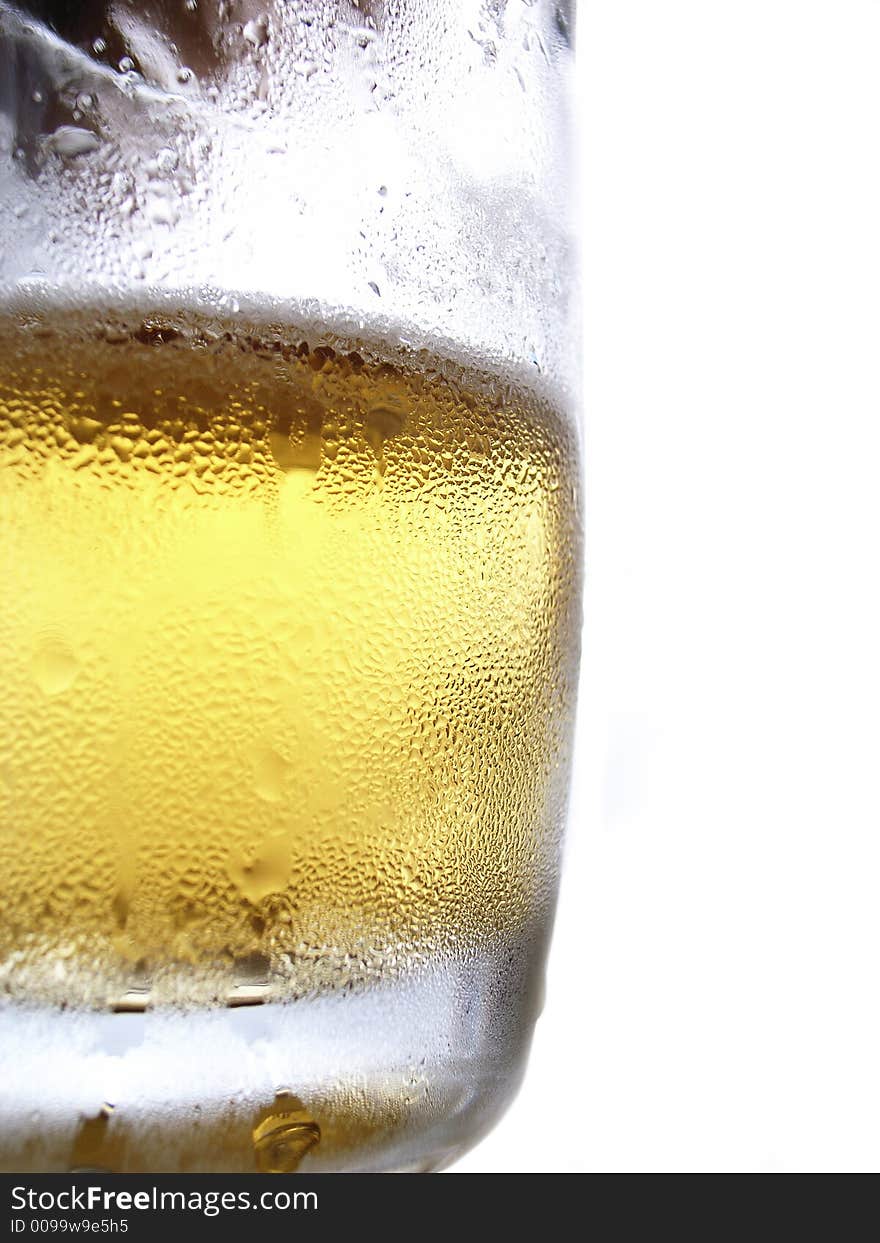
439, 1053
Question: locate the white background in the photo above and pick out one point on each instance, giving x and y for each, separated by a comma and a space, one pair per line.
713, 984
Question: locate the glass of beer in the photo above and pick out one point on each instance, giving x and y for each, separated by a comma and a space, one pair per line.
291, 554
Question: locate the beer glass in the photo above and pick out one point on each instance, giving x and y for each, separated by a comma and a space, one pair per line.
291, 574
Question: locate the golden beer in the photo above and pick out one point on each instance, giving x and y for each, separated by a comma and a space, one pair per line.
288, 644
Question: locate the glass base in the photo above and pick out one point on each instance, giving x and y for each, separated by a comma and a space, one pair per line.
402, 1077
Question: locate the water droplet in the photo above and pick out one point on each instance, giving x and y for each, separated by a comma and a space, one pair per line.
283, 1134
126, 65
386, 418
122, 448
185, 75
270, 771
84, 429
37, 97
99, 46
166, 160
262, 869
85, 457
256, 31
375, 288
121, 905
70, 141
54, 666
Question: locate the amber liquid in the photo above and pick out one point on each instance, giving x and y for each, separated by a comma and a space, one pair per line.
289, 637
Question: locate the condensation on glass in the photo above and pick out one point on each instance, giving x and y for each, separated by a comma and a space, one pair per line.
290, 504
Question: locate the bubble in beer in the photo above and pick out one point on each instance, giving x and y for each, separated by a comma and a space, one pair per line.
54, 666
283, 1134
